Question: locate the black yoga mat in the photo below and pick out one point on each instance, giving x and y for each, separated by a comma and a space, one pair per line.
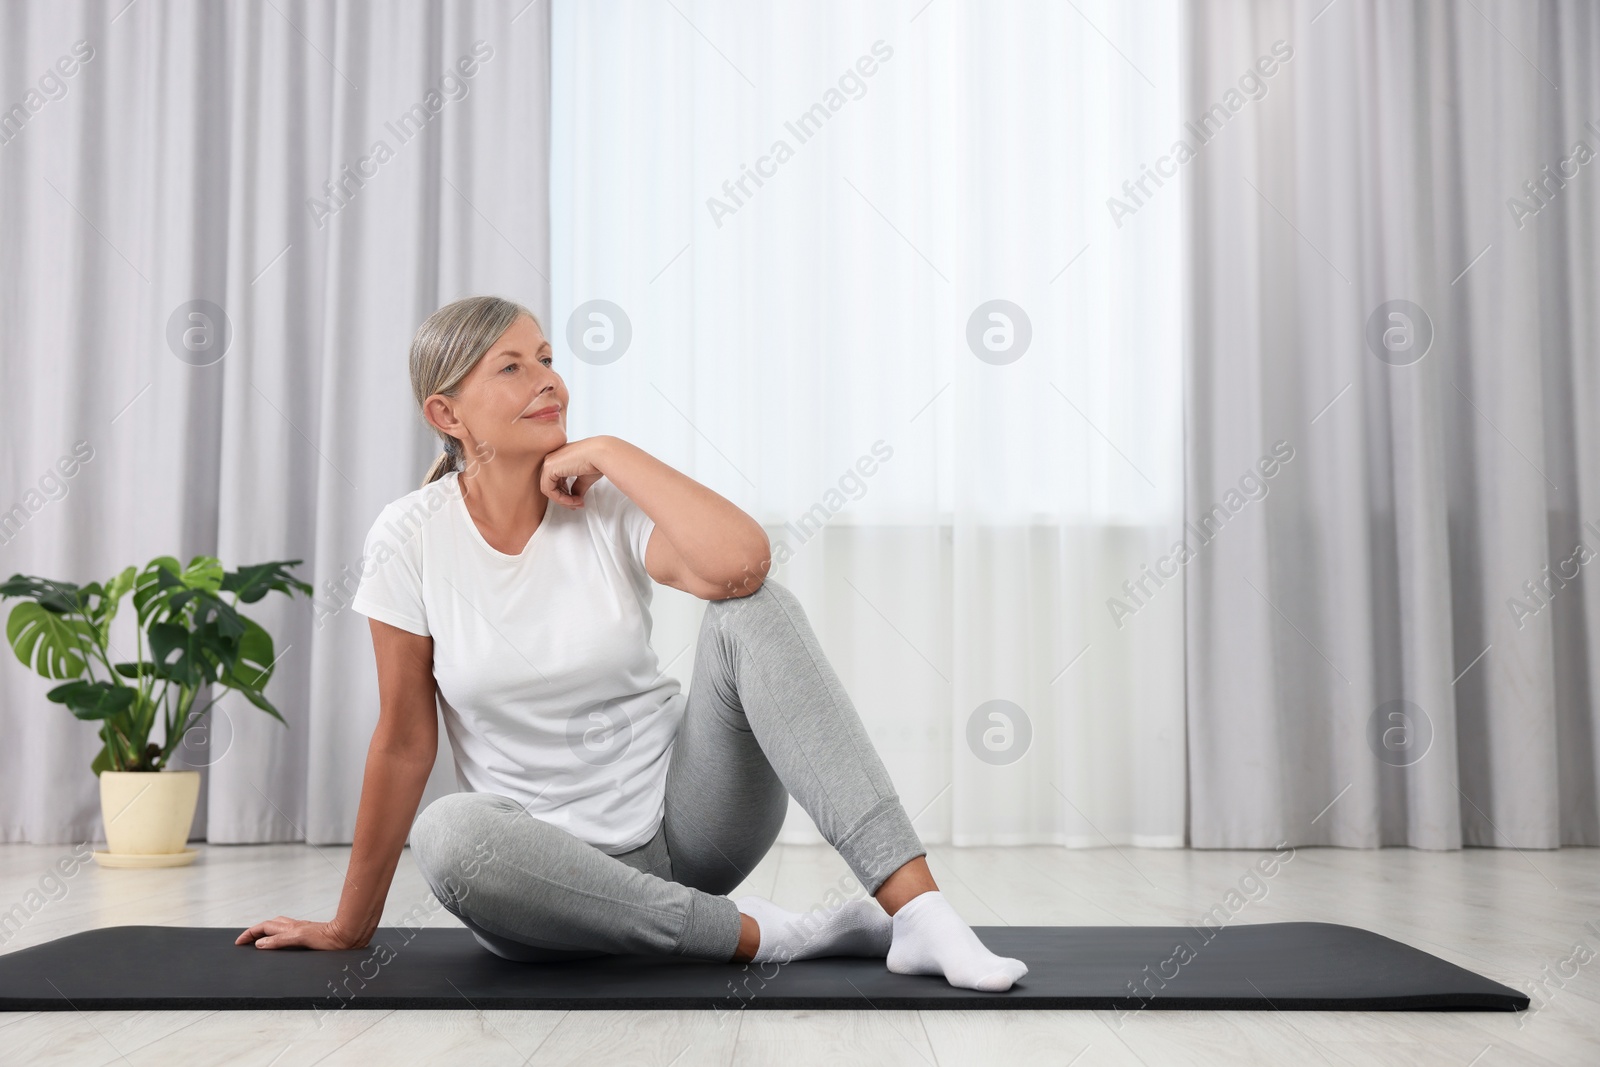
1269, 966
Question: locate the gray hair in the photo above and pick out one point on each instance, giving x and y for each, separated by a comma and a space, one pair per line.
448, 344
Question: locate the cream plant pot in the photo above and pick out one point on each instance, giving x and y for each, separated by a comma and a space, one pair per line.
147, 816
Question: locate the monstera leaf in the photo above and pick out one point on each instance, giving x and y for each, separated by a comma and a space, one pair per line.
153, 585
59, 597
111, 599
252, 670
94, 700
253, 583
179, 655
52, 644
252, 666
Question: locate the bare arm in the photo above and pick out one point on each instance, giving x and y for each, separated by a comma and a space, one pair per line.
399, 760
702, 542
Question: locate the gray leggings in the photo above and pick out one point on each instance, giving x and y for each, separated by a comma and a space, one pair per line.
766, 717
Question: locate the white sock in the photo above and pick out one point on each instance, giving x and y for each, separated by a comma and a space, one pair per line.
930, 938
854, 928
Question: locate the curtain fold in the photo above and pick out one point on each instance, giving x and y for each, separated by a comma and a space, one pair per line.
1392, 272
312, 179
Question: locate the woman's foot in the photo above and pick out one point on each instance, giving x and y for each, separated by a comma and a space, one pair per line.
854, 928
930, 938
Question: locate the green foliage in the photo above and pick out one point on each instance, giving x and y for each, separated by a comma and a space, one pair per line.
187, 615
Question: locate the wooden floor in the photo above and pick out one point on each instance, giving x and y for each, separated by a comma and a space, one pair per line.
1513, 916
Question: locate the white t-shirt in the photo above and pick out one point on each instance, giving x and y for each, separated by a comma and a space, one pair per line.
550, 691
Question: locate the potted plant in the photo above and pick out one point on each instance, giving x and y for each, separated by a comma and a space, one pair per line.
188, 618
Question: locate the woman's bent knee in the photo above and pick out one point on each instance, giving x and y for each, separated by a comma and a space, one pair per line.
769, 599
449, 843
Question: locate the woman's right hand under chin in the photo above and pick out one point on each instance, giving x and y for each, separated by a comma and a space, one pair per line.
284, 932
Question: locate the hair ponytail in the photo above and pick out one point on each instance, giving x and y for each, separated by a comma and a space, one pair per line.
440, 468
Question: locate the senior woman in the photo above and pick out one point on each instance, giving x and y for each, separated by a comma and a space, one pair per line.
605, 811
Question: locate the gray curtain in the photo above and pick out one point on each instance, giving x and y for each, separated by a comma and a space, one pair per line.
164, 154
1393, 270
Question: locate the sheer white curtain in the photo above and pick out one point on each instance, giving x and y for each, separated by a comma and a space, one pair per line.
797, 217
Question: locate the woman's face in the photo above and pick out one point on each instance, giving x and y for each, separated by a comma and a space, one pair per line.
504, 401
